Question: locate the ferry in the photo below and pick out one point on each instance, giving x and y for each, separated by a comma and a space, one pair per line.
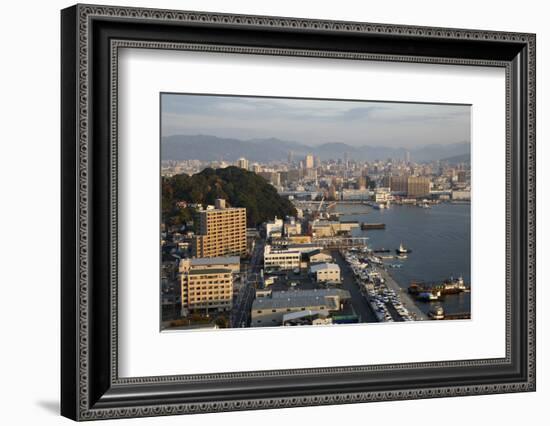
402, 249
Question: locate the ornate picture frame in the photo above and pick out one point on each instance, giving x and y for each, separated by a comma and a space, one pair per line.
91, 39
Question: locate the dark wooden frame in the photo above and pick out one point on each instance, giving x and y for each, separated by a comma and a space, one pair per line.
90, 386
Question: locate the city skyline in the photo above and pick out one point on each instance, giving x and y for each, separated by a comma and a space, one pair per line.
316, 122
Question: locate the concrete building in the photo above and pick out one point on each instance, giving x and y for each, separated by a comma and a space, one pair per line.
292, 227
327, 228
325, 272
418, 186
399, 184
232, 263
274, 178
461, 195
317, 256
270, 310
309, 162
382, 195
221, 232
274, 228
242, 163
307, 318
282, 259
206, 289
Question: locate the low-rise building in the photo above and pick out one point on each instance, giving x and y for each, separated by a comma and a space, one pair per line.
282, 259
270, 310
317, 256
307, 318
328, 228
292, 227
325, 272
461, 195
274, 227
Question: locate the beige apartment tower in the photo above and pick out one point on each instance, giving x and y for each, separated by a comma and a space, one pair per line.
221, 232
418, 186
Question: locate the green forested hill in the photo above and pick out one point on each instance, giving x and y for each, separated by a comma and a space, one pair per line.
239, 187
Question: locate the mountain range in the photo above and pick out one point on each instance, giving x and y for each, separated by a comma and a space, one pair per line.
212, 148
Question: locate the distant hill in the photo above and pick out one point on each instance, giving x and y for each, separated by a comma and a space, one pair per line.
457, 159
239, 187
212, 148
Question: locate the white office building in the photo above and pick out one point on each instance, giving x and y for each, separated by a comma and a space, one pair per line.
325, 272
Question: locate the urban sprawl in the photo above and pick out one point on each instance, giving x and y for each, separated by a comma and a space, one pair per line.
309, 268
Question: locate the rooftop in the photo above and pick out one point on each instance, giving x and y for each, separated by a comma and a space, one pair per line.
300, 299
324, 266
220, 260
209, 271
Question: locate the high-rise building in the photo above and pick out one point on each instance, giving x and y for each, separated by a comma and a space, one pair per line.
274, 178
309, 161
418, 186
242, 163
290, 157
407, 157
399, 183
221, 232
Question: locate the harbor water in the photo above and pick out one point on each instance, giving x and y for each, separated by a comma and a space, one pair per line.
439, 240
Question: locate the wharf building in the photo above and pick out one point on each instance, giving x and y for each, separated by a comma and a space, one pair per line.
269, 310
221, 232
207, 284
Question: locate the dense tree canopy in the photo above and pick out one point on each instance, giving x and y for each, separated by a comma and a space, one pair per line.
239, 187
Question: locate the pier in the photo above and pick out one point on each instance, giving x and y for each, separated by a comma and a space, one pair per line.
406, 298
341, 242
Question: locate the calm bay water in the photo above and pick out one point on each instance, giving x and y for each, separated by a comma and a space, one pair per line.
439, 238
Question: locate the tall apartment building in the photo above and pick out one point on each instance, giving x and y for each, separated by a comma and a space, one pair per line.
309, 161
418, 186
221, 232
242, 163
399, 183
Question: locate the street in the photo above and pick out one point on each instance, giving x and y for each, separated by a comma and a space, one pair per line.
240, 314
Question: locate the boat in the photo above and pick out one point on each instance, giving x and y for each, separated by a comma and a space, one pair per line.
437, 313
449, 286
402, 249
428, 296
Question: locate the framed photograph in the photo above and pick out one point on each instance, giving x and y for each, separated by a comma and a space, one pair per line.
263, 212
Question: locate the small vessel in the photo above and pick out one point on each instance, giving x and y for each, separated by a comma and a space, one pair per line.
437, 313
428, 296
402, 249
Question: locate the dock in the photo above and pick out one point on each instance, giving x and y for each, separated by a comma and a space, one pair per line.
406, 298
366, 226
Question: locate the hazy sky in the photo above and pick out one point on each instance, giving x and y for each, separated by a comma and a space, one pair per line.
314, 122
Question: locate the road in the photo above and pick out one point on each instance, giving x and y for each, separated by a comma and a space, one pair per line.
358, 301
240, 314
